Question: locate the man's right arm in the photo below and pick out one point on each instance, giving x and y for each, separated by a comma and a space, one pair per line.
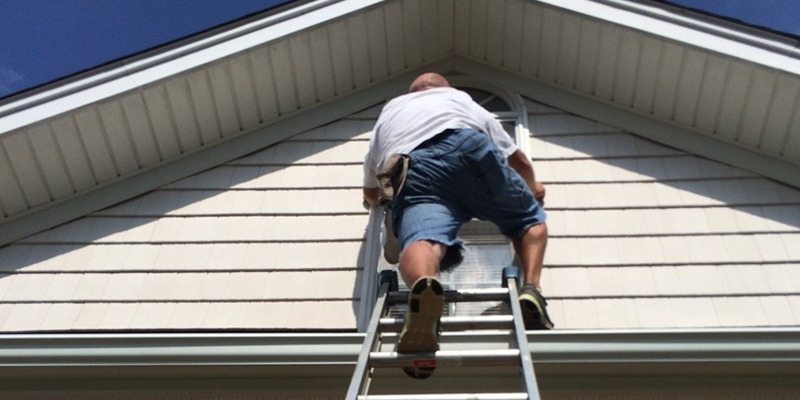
520, 163
371, 196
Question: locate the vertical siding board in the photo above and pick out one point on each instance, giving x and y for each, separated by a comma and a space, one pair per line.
280, 58
360, 58
668, 75
548, 57
589, 49
300, 50
646, 74
182, 108
412, 23
733, 99
264, 84
51, 161
322, 64
395, 46
495, 32
163, 128
512, 46
244, 90
203, 102
711, 94
532, 32
478, 12
119, 136
224, 100
779, 115
568, 51
446, 23
626, 78
461, 32
96, 144
376, 40
337, 33
606, 62
759, 97
75, 157
792, 147
691, 79
11, 196
429, 29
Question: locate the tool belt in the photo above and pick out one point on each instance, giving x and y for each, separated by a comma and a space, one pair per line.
392, 177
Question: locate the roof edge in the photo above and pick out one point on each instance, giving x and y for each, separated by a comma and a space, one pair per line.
720, 39
138, 72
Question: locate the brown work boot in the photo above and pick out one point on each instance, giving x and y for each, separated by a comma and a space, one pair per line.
421, 328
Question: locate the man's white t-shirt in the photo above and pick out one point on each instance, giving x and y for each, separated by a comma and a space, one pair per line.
408, 120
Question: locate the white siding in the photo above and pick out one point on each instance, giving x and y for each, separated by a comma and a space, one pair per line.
644, 236
273, 240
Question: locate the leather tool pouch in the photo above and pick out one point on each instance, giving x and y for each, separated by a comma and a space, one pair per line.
392, 177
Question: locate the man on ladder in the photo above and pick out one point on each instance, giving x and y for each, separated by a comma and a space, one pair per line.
439, 159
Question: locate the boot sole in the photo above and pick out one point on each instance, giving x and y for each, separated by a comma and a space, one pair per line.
420, 333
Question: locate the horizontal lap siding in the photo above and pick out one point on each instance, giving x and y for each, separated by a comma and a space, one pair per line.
273, 240
645, 236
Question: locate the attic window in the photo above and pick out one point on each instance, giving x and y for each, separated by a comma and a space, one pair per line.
506, 114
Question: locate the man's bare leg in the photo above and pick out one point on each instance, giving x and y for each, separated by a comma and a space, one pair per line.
530, 248
419, 264
420, 259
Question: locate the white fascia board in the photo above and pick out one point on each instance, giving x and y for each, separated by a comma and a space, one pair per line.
696, 33
139, 73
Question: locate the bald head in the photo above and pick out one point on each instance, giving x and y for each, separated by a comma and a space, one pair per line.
428, 80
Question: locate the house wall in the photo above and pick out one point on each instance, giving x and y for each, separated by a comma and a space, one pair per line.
646, 236
642, 236
273, 240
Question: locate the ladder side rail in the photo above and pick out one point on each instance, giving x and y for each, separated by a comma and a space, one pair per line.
522, 341
357, 383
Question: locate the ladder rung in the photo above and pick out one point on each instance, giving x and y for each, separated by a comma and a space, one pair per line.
457, 323
462, 358
449, 396
462, 295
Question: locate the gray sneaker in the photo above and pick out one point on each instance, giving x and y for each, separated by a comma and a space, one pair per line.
421, 329
534, 308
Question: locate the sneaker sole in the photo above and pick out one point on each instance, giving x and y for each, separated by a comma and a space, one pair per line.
532, 314
420, 334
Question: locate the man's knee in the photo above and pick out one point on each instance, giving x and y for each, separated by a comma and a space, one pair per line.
425, 248
536, 233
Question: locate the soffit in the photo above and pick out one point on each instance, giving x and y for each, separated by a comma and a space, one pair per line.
739, 93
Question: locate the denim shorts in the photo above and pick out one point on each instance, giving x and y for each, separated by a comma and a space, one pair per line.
454, 177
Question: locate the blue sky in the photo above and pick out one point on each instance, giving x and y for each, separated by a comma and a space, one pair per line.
779, 15
44, 40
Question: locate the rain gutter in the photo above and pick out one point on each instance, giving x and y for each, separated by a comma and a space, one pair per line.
626, 351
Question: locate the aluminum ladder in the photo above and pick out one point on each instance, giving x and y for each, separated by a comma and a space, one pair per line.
388, 294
